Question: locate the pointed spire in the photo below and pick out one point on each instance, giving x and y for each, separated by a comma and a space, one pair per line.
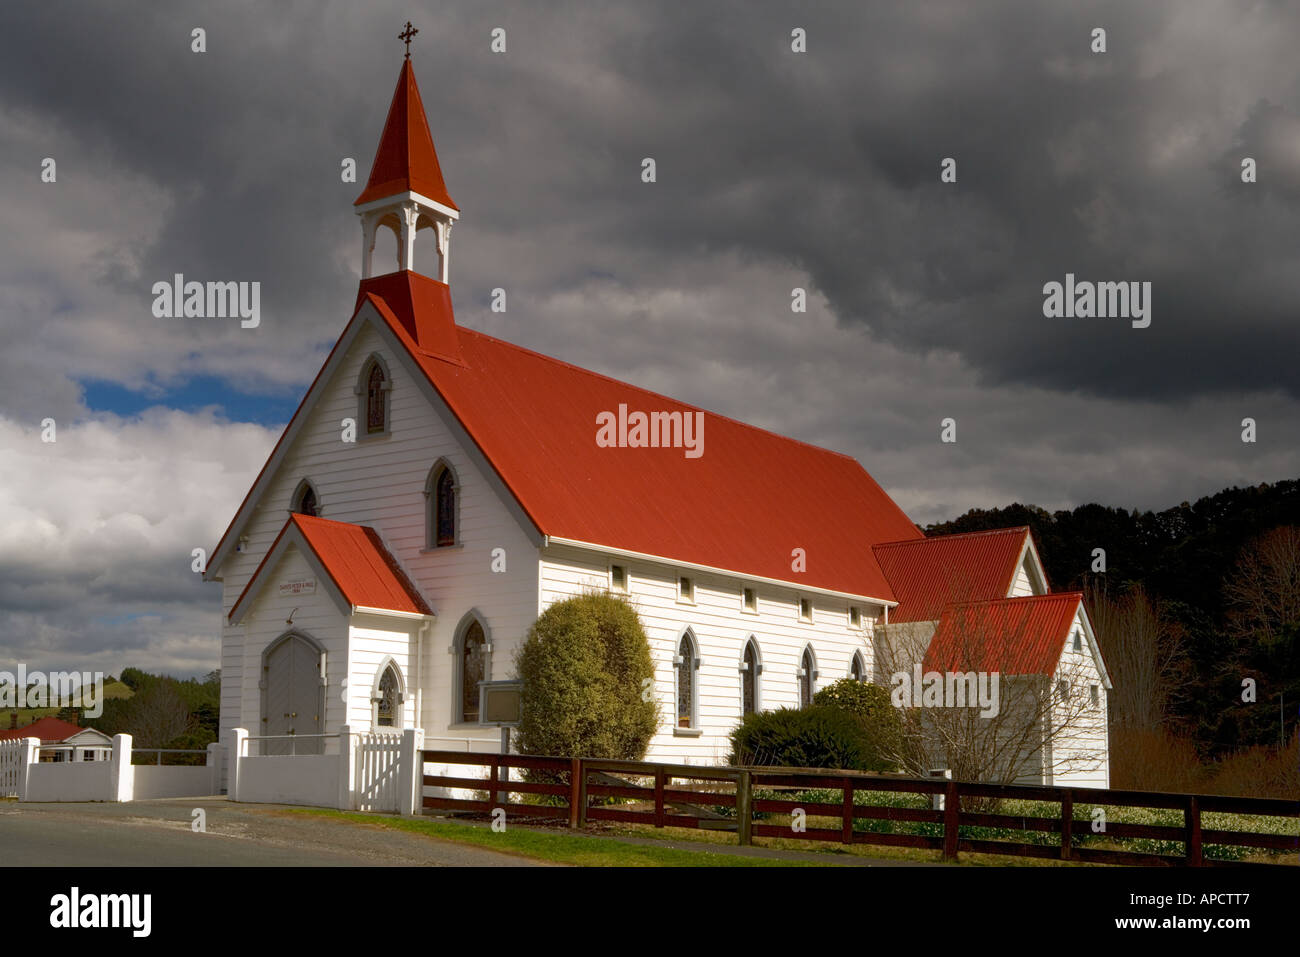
406, 160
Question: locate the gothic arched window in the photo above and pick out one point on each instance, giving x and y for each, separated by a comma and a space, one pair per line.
473, 658
388, 699
749, 669
687, 662
304, 500
807, 677
857, 671
376, 401
441, 491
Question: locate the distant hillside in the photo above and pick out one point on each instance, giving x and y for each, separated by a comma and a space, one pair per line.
21, 717
1183, 556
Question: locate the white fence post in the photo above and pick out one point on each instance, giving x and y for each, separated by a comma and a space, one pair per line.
347, 769
410, 772
214, 765
236, 741
31, 754
121, 777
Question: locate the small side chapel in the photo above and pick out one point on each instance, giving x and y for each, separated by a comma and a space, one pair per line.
438, 488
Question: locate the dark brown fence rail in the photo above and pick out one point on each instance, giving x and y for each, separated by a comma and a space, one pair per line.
745, 800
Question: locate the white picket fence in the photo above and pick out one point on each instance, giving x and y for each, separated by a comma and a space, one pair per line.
12, 757
377, 759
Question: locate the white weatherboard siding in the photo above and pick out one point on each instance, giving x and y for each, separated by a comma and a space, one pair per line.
1080, 752
315, 615
720, 629
374, 640
381, 482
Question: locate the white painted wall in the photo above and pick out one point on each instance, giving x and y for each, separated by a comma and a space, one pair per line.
152, 781
1080, 752
721, 629
70, 781
304, 779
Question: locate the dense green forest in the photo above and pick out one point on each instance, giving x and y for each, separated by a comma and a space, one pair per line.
1198, 563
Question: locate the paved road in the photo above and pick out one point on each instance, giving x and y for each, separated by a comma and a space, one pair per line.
158, 833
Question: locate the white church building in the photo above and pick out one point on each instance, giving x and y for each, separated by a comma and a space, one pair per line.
438, 488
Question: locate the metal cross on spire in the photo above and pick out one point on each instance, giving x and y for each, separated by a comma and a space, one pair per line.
406, 35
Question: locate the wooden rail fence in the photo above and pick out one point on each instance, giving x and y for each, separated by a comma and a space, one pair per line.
744, 799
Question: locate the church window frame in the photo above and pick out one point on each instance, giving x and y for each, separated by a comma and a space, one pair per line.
394, 690
751, 671
464, 630
365, 399
686, 685
305, 500
442, 514
807, 676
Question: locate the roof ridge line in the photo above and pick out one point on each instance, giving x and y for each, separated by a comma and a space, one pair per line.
945, 537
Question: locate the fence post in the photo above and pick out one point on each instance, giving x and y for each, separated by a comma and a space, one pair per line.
410, 772
575, 792
31, 756
951, 809
121, 774
236, 742
745, 807
347, 769
846, 829
1192, 822
659, 795
1067, 823
494, 776
582, 793
213, 760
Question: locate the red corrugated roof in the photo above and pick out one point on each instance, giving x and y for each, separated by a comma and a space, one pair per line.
406, 159
927, 574
1012, 636
355, 559
744, 505
50, 730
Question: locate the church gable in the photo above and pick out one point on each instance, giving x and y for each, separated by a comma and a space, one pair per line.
354, 467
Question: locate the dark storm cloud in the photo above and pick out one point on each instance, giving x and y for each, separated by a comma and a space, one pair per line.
1114, 166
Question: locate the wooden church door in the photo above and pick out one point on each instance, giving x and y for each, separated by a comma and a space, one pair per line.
293, 697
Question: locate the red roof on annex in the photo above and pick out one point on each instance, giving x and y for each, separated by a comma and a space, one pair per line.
927, 574
1012, 636
354, 557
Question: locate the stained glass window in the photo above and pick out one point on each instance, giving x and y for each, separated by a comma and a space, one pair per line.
375, 407
685, 683
471, 672
445, 509
386, 716
855, 670
749, 680
806, 680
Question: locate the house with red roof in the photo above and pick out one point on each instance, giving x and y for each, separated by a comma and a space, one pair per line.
979, 603
438, 488
64, 741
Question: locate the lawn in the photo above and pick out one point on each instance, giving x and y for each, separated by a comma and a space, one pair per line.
556, 847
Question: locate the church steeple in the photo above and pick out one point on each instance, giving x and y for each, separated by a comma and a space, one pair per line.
406, 192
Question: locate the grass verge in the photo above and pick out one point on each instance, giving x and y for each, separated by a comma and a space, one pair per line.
557, 848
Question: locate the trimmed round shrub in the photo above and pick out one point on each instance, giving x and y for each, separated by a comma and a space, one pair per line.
881, 721
815, 737
583, 666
